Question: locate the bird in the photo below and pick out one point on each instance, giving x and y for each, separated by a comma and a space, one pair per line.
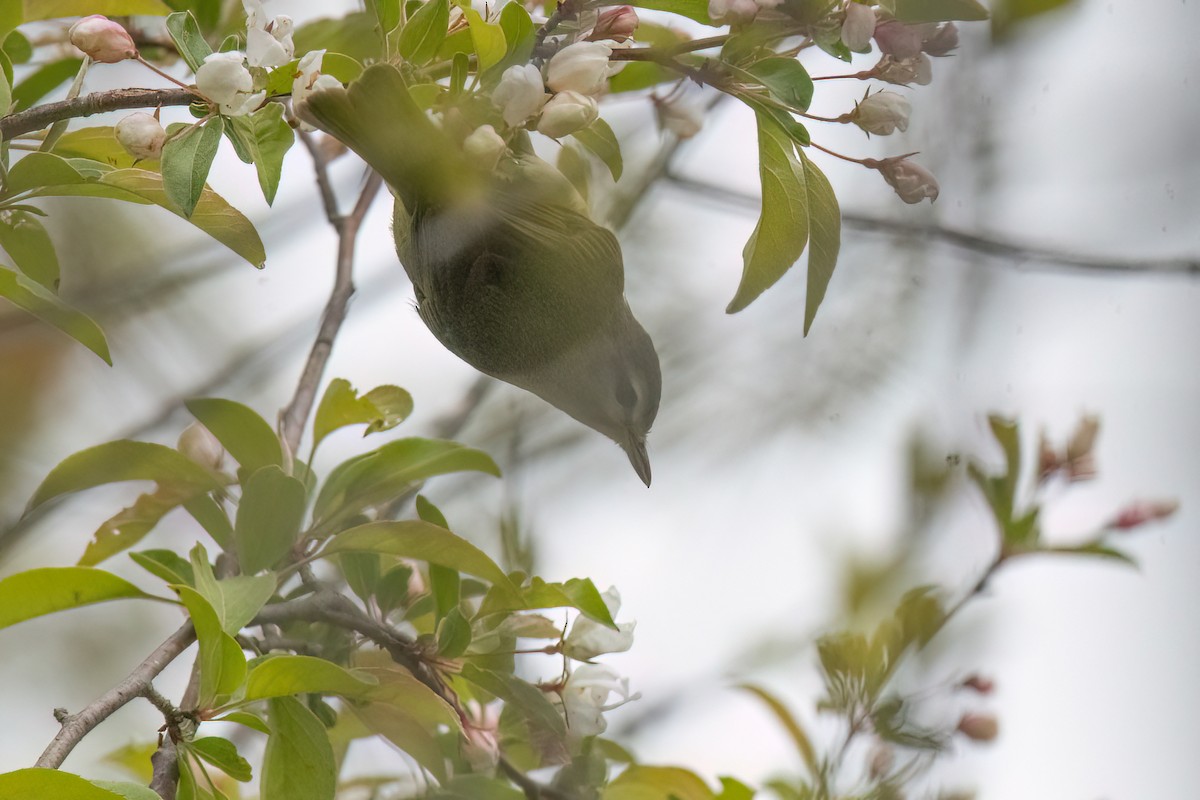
509, 272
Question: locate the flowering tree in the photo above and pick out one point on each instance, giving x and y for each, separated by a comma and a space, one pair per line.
326, 611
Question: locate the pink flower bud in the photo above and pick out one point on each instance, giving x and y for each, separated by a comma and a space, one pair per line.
912, 182
882, 113
899, 40
1138, 514
978, 683
102, 39
943, 41
566, 113
617, 24
141, 135
918, 70
979, 727
858, 27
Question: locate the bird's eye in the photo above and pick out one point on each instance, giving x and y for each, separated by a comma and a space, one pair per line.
626, 394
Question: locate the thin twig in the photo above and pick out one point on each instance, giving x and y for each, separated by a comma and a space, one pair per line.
296, 414
76, 726
165, 762
43, 116
532, 789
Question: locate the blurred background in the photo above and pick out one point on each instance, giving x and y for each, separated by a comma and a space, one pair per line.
782, 464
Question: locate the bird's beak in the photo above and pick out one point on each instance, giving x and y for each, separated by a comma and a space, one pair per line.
635, 448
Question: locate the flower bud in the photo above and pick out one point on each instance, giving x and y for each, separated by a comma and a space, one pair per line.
224, 79
581, 67
520, 94
979, 683
484, 147
858, 27
899, 40
197, 442
732, 10
943, 41
141, 135
588, 638
681, 118
567, 112
979, 727
1144, 511
882, 113
912, 182
918, 70
102, 39
617, 24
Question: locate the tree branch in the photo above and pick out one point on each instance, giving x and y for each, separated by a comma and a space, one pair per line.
76, 726
1019, 254
297, 411
42, 116
165, 762
532, 789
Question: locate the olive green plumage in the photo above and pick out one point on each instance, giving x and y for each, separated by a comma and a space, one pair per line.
509, 274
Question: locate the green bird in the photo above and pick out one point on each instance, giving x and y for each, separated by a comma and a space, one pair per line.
509, 272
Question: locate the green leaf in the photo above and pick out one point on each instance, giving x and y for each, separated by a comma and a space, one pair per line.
395, 724
246, 719
222, 662
424, 32
1095, 548
445, 586
247, 437
97, 143
281, 676
430, 513
223, 755
825, 238
235, 600
524, 698
384, 473
269, 516
787, 80
37, 300
26, 241
419, 540
165, 564
298, 763
130, 525
123, 460
657, 783
37, 592
38, 170
268, 137
638, 75
519, 33
342, 67
189, 40
212, 518
453, 634
37, 783
782, 231
381, 409
790, 724
362, 572
186, 161
692, 9
578, 593
915, 11
487, 39
353, 34
128, 790
600, 139
43, 81
733, 789
478, 787
387, 13
16, 46
53, 9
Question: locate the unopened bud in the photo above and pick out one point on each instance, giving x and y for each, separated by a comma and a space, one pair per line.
732, 10
617, 24
141, 135
102, 39
979, 727
1144, 511
897, 39
197, 443
979, 683
943, 41
858, 27
484, 147
912, 182
566, 113
903, 71
882, 113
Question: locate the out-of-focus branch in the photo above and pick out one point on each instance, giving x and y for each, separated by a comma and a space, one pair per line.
1024, 256
296, 414
165, 763
45, 115
76, 726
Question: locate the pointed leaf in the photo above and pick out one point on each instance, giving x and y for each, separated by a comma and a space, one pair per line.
298, 763
222, 662
189, 40
37, 592
223, 755
487, 38
123, 460
405, 732
269, 516
248, 437
424, 32
787, 80
186, 161
128, 527
825, 238
26, 241
281, 676
657, 783
36, 782
600, 139
692, 9
37, 300
267, 138
381, 409
166, 565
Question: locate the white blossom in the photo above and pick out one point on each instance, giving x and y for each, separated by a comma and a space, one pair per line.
566, 113
142, 137
224, 79
309, 79
268, 41
882, 113
585, 698
580, 67
484, 147
732, 10
588, 638
912, 182
858, 27
520, 94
